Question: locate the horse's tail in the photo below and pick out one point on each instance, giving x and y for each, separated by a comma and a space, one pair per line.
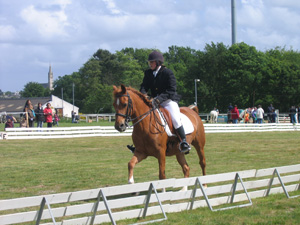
195, 108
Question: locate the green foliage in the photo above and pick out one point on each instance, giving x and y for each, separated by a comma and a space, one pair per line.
34, 89
239, 74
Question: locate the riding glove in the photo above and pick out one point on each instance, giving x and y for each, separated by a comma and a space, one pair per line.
155, 103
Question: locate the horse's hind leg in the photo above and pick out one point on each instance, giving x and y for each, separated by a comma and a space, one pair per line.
201, 155
136, 158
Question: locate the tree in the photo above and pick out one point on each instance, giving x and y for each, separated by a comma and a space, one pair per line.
34, 89
132, 71
65, 83
181, 61
238, 74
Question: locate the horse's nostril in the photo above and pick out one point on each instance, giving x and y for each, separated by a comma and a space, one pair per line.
121, 127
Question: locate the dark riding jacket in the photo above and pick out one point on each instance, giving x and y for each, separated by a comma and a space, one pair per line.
162, 87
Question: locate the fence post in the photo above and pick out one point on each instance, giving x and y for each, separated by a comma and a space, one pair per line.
40, 213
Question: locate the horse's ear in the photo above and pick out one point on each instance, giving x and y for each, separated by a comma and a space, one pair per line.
123, 88
115, 88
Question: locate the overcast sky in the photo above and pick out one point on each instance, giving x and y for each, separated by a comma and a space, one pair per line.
66, 33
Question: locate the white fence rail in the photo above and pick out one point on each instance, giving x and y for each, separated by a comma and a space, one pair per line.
93, 131
111, 204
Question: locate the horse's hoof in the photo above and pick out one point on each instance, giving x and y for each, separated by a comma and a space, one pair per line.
184, 188
135, 193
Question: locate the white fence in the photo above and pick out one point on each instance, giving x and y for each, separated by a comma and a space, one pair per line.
111, 204
93, 131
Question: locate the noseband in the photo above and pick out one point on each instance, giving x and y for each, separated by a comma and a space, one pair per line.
127, 116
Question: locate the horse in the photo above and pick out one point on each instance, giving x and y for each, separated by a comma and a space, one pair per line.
149, 136
214, 116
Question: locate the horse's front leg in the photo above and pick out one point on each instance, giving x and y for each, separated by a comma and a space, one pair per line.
162, 165
136, 158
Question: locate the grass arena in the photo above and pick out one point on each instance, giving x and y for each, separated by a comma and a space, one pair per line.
37, 167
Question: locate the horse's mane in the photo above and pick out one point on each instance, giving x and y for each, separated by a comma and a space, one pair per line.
140, 95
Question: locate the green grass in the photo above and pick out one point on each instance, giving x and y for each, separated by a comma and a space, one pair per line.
37, 167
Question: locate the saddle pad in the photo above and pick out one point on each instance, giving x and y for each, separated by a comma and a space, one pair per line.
186, 122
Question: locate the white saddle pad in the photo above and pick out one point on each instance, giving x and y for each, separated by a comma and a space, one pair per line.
186, 122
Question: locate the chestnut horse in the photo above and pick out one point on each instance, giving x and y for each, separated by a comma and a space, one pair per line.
149, 136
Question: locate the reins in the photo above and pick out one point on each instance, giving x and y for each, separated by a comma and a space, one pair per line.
129, 111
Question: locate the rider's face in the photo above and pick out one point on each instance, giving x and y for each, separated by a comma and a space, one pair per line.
152, 65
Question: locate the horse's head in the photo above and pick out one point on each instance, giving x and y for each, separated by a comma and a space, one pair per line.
123, 107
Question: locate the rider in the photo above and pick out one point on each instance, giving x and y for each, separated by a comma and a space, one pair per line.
162, 84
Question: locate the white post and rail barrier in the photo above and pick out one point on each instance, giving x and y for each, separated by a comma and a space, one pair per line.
110, 204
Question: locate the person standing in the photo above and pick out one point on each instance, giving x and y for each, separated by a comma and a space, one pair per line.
293, 114
274, 116
31, 115
39, 113
235, 114
298, 111
48, 115
246, 116
270, 112
26, 111
161, 83
56, 119
229, 119
260, 114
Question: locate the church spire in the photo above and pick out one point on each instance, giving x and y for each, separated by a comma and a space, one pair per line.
50, 78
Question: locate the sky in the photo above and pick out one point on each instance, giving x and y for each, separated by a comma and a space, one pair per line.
35, 34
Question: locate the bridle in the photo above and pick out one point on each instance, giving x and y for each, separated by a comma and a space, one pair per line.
129, 112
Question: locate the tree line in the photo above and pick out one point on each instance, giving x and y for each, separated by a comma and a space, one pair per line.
237, 74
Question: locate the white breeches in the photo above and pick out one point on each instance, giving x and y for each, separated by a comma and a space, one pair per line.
173, 108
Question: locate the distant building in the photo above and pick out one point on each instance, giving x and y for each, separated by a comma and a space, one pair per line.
50, 80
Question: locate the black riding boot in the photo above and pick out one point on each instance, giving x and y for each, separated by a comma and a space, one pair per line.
184, 147
131, 148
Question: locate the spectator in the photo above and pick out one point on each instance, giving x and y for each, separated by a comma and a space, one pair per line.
9, 122
254, 111
56, 119
293, 114
235, 114
26, 111
40, 118
274, 116
246, 116
48, 115
229, 119
260, 114
73, 117
31, 115
298, 111
270, 112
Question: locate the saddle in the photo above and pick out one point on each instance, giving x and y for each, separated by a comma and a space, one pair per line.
167, 116
166, 120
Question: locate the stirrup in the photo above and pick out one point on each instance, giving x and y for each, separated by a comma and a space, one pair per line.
186, 151
131, 148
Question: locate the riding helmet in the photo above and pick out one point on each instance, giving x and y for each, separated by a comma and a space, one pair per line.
156, 56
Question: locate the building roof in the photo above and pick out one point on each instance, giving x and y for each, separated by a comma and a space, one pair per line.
17, 104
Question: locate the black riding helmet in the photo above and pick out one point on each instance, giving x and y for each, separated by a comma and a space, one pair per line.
157, 57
